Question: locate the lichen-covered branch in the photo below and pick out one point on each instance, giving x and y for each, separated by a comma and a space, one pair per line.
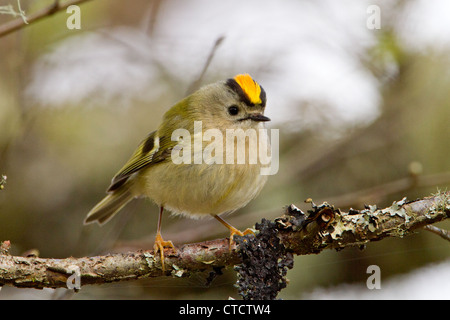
325, 227
322, 227
34, 272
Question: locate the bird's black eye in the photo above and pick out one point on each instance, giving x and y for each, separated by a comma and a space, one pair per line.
233, 110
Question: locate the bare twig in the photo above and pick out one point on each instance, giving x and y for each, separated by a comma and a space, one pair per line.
22, 21
322, 228
382, 191
444, 234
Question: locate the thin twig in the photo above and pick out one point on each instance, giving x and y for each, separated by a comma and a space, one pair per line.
444, 234
8, 9
2, 181
194, 86
21, 22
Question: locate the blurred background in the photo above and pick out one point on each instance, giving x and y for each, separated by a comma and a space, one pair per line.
363, 112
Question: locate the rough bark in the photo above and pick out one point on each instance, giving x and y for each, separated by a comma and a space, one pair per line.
322, 227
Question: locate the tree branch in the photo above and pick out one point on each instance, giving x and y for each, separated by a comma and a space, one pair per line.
444, 234
323, 227
19, 23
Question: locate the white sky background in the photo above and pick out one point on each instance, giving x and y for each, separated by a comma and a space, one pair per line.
300, 52
431, 282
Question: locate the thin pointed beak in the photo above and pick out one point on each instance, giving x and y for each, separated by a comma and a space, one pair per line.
258, 117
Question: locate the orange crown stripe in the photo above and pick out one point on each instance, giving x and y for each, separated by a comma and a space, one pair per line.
250, 87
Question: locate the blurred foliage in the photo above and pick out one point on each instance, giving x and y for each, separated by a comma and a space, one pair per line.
59, 161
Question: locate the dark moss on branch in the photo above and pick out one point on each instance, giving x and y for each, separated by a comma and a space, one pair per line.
265, 262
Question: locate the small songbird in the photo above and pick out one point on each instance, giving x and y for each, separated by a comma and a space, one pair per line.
206, 180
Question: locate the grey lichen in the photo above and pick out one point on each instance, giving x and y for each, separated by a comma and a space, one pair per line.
149, 259
442, 203
397, 209
2, 181
177, 271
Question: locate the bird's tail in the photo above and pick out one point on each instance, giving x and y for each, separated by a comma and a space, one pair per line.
109, 206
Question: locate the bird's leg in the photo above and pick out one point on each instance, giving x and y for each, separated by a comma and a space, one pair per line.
159, 241
233, 230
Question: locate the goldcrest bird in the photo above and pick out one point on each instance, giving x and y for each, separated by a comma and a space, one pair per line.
198, 188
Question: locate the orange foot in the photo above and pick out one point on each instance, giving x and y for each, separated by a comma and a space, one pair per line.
159, 245
234, 231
